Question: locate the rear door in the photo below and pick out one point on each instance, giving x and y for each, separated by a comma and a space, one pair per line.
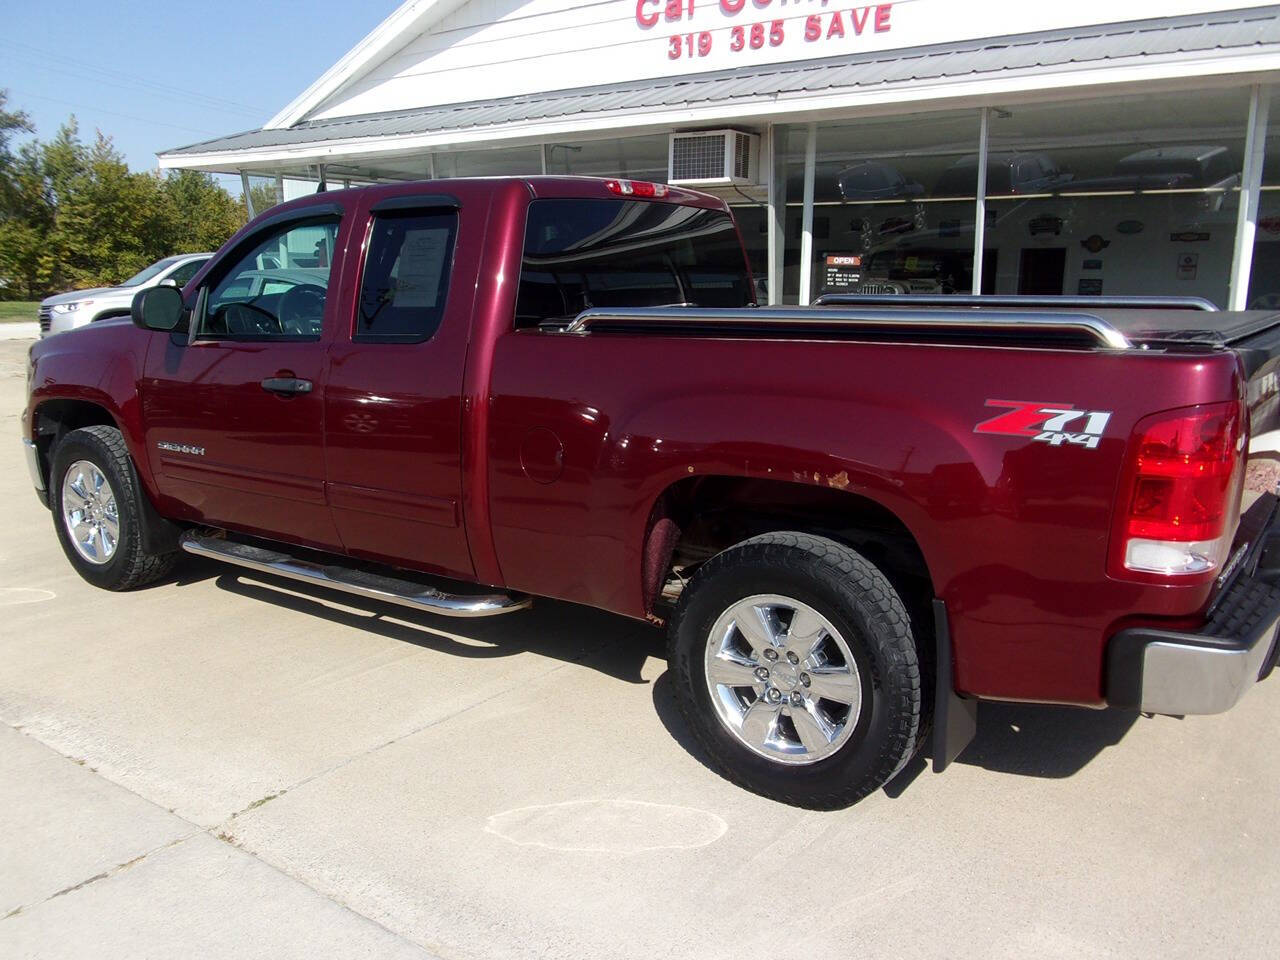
235, 413
393, 398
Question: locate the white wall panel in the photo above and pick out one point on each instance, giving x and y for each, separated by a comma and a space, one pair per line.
495, 48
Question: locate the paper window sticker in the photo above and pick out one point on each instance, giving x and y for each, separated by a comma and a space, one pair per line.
421, 267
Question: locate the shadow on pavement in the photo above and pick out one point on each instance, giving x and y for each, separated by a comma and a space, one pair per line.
1029, 740
1034, 740
1023, 739
616, 646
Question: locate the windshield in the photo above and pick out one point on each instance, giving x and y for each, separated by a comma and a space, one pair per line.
142, 276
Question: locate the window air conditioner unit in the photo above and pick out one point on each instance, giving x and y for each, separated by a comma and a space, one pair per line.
713, 158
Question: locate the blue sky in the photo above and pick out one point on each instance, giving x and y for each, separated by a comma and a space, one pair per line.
159, 75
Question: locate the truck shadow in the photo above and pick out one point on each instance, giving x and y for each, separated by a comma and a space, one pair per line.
1022, 739
616, 646
1028, 740
1035, 740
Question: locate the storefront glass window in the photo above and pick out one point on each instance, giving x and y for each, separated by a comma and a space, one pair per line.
1121, 196
894, 203
637, 158
504, 162
1264, 278
753, 224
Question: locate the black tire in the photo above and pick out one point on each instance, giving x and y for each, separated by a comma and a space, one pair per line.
859, 602
130, 565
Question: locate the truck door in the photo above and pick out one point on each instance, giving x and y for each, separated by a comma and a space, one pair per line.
235, 414
393, 398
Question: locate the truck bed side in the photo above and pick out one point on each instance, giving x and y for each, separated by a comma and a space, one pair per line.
1014, 533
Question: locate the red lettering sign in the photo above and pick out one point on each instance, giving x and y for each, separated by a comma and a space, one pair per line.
755, 36
645, 20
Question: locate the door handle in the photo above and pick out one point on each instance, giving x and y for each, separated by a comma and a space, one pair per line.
286, 385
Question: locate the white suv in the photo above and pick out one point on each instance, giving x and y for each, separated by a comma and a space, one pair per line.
65, 311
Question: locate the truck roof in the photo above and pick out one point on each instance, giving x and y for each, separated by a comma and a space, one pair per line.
541, 186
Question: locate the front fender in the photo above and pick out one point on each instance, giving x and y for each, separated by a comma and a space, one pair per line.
97, 365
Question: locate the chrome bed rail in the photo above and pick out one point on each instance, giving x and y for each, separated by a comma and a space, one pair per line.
793, 319
1013, 300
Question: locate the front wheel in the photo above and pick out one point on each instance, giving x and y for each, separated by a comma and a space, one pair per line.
795, 666
97, 509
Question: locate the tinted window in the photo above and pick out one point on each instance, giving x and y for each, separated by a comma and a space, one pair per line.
277, 289
147, 273
627, 253
406, 277
182, 276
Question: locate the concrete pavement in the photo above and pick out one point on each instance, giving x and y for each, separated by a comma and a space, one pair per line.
22, 330
229, 766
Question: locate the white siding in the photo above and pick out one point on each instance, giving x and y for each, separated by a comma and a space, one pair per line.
494, 48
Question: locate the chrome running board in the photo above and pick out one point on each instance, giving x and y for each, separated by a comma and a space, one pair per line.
370, 585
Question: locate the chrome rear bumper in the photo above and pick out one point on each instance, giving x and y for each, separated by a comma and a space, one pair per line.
1207, 670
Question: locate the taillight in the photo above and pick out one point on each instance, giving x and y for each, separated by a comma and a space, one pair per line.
1180, 496
637, 188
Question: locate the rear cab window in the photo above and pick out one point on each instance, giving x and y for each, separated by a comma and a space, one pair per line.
583, 253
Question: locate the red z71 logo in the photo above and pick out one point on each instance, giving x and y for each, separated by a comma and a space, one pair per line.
1047, 422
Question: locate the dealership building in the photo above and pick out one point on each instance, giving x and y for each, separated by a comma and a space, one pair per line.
931, 146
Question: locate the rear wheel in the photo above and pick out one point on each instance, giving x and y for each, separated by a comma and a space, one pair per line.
796, 668
97, 511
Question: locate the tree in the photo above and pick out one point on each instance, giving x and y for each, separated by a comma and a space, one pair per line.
264, 197
40, 173
205, 215
110, 222
74, 216
10, 123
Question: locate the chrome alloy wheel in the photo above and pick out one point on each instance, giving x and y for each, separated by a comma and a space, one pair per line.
89, 512
782, 679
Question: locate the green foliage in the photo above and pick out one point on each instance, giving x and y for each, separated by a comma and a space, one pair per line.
10, 123
203, 214
264, 196
73, 215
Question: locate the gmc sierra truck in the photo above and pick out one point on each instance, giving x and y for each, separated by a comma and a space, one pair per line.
856, 519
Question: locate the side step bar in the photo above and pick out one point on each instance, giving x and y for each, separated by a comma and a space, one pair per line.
370, 585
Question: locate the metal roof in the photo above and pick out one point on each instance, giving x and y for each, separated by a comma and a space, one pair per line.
1025, 53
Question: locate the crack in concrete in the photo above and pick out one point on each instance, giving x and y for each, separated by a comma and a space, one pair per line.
118, 868
586, 654
260, 801
222, 835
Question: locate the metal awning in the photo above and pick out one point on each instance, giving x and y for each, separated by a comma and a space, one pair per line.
1241, 35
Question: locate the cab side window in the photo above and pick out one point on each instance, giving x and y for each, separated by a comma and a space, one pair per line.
277, 289
406, 277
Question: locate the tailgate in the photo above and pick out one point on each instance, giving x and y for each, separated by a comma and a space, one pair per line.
1254, 335
1263, 397
1256, 341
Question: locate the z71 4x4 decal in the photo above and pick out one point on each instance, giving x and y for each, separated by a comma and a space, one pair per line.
1052, 423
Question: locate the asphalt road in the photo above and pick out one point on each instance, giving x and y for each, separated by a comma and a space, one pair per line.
227, 766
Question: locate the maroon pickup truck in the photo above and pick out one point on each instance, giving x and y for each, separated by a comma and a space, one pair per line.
857, 519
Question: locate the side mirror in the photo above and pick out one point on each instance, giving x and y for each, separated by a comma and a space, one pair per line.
157, 308
168, 282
